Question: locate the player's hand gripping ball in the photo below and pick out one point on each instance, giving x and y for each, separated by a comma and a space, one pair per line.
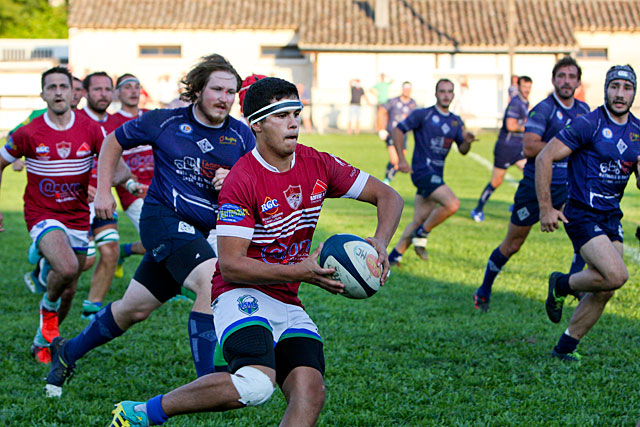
355, 261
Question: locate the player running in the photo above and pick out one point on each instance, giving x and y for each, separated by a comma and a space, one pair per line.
193, 147
434, 129
59, 147
508, 149
546, 119
269, 208
603, 149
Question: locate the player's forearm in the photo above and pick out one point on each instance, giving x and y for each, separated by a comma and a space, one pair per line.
242, 269
389, 206
110, 155
532, 144
513, 126
398, 141
122, 174
544, 171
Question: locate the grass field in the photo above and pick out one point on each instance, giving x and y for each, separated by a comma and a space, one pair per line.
415, 354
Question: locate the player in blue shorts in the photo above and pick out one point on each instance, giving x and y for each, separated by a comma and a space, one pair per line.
434, 129
603, 149
194, 148
546, 119
508, 149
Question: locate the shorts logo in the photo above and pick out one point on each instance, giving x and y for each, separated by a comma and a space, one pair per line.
622, 147
248, 304
559, 115
606, 132
64, 149
620, 231
270, 206
523, 213
319, 191
84, 150
183, 227
157, 250
293, 194
231, 213
435, 119
435, 179
445, 128
42, 150
185, 128
205, 145
597, 229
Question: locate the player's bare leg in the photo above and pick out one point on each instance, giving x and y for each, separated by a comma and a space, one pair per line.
421, 209
305, 393
199, 281
516, 236
497, 177
449, 205
106, 266
135, 306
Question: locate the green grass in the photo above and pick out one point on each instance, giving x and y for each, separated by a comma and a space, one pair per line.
415, 354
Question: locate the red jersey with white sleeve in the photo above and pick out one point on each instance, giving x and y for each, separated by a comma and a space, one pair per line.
58, 168
107, 125
139, 159
278, 211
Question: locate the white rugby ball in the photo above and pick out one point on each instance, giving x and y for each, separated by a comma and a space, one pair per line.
355, 261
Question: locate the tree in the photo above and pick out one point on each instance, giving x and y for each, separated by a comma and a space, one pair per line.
32, 19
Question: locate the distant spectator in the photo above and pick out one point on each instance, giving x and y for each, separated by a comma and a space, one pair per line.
513, 89
381, 89
305, 98
357, 93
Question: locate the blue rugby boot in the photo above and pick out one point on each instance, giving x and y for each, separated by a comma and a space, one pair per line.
125, 415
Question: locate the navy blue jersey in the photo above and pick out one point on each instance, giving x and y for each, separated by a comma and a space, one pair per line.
517, 109
604, 154
186, 155
398, 110
547, 119
433, 132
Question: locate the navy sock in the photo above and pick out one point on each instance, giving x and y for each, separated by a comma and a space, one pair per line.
566, 344
202, 337
494, 265
102, 329
155, 412
577, 263
421, 232
390, 172
125, 249
394, 254
562, 285
486, 193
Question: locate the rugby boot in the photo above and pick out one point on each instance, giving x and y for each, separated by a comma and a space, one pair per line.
61, 369
419, 242
480, 303
569, 357
125, 415
554, 303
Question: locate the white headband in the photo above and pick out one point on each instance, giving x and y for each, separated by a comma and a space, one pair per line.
127, 80
276, 107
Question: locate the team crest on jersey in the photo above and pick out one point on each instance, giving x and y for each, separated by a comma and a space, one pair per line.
454, 123
445, 128
435, 119
622, 147
559, 115
634, 137
42, 150
84, 150
606, 132
185, 128
319, 190
293, 194
248, 304
205, 145
64, 149
270, 206
227, 140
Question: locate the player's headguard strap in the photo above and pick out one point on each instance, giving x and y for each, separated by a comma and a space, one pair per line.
276, 107
127, 80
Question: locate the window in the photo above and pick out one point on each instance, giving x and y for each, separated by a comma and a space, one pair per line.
593, 53
281, 52
151, 51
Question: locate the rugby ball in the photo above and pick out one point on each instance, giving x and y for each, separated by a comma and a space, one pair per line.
355, 262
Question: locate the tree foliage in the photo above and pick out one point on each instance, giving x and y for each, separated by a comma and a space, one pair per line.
32, 19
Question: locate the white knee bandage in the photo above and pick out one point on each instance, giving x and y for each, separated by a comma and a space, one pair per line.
107, 236
91, 249
254, 387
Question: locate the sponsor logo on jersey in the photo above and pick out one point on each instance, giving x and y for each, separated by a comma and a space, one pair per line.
606, 132
64, 149
319, 190
227, 140
231, 213
634, 137
205, 145
559, 115
622, 147
10, 145
185, 128
248, 304
435, 118
293, 194
279, 253
84, 150
42, 150
184, 227
270, 206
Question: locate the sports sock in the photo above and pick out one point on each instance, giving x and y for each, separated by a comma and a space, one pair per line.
390, 172
566, 344
494, 266
49, 305
395, 254
125, 249
421, 232
562, 285
202, 337
577, 263
102, 329
154, 411
486, 193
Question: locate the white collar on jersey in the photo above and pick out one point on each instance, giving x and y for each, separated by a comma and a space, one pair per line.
266, 165
204, 124
612, 120
573, 101
93, 115
442, 113
53, 126
129, 115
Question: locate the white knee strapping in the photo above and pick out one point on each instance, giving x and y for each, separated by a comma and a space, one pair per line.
91, 249
107, 236
254, 387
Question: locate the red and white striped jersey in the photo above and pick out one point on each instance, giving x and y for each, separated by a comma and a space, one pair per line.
58, 167
278, 211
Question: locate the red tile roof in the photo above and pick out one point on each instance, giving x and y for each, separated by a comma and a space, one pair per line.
424, 25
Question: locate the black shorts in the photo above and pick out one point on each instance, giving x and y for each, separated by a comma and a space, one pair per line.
97, 223
506, 155
585, 224
427, 184
526, 210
